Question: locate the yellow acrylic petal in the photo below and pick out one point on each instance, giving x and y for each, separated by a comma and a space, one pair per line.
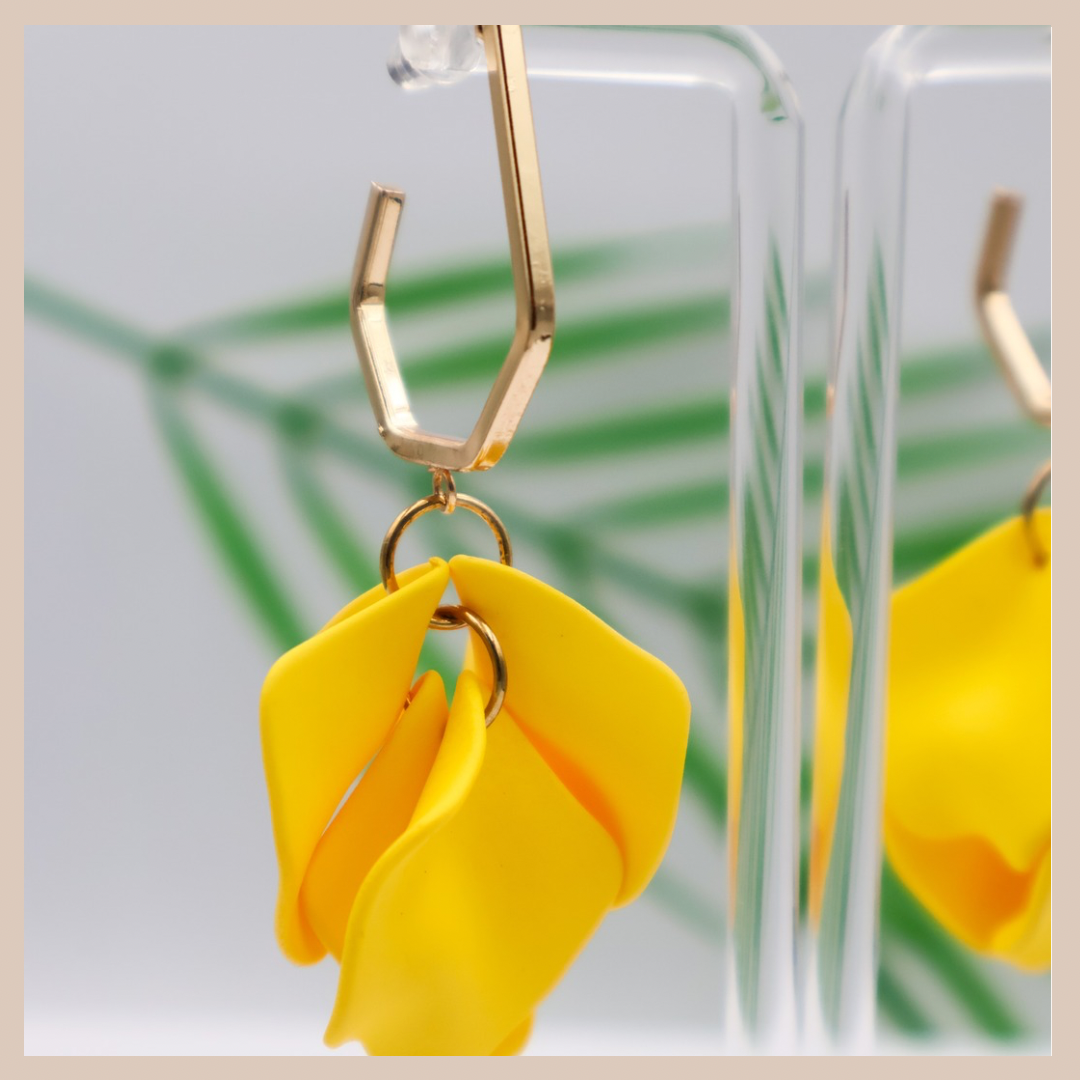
473, 914
375, 814
378, 593
1026, 939
969, 697
326, 708
833, 683
515, 1042
611, 720
963, 882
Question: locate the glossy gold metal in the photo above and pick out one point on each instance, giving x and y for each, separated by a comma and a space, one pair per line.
453, 616
1000, 326
1008, 342
458, 615
530, 255
437, 500
444, 488
1027, 507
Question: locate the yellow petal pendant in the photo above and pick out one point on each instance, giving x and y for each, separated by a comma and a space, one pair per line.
967, 795
470, 864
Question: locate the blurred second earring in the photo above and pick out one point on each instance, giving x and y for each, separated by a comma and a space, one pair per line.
967, 767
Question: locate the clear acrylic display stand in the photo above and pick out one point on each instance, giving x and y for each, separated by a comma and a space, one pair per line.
936, 118
737, 161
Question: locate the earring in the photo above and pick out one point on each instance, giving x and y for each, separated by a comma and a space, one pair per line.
967, 767
487, 837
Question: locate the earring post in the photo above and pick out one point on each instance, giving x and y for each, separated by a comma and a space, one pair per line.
534, 285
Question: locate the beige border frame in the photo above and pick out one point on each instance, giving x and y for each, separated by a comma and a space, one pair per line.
18, 14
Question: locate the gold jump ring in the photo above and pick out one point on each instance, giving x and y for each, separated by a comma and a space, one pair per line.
443, 487
463, 616
437, 501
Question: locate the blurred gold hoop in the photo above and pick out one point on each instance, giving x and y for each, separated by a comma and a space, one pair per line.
1028, 505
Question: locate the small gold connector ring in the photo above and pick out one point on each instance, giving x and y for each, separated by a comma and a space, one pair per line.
444, 488
463, 616
437, 501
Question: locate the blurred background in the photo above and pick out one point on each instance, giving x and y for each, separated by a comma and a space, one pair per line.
205, 486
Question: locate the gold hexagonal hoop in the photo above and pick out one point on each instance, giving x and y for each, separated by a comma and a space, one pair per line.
534, 287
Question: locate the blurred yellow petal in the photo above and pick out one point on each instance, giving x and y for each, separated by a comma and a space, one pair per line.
963, 882
474, 913
969, 697
1026, 939
516, 1040
830, 719
967, 797
611, 720
736, 698
326, 708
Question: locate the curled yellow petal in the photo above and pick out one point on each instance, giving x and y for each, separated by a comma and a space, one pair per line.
473, 914
610, 719
376, 813
967, 796
1025, 940
326, 708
